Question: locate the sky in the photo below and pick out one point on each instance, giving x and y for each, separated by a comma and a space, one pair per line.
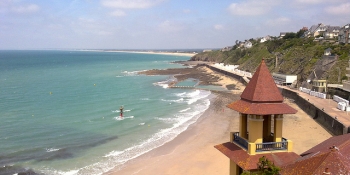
157, 24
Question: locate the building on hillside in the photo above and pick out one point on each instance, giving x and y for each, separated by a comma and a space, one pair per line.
207, 50
248, 44
315, 30
282, 34
261, 110
284, 79
264, 39
319, 85
227, 48
346, 83
344, 34
331, 32
304, 28
329, 157
328, 51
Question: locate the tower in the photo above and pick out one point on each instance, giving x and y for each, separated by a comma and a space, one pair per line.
261, 111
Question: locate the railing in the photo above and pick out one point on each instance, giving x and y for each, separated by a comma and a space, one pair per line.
240, 141
260, 147
271, 146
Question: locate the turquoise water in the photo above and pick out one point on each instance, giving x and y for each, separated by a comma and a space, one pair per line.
60, 109
188, 82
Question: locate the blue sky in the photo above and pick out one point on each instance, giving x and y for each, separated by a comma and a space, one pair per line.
157, 24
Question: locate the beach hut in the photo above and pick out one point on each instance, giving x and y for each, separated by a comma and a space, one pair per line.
261, 111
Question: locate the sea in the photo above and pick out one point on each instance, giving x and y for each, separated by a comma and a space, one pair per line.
60, 110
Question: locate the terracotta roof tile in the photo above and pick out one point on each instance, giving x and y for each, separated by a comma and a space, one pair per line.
316, 159
249, 162
262, 87
261, 96
246, 107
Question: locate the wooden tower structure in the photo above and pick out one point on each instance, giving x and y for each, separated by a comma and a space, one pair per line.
261, 111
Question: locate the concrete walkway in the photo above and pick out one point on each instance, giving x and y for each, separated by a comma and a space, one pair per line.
329, 106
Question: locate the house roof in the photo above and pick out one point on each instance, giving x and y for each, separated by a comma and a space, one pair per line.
328, 49
249, 162
261, 96
332, 154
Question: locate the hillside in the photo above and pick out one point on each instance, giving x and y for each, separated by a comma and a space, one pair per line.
298, 56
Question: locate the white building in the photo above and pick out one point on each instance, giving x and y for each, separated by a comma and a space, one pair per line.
283, 79
248, 44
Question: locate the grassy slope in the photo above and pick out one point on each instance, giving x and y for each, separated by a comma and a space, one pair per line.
295, 56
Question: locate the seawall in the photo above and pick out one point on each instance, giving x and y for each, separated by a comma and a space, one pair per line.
235, 76
328, 122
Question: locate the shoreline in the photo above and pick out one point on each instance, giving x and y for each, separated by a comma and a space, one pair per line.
177, 156
193, 152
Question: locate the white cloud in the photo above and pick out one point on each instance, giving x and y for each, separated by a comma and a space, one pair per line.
342, 9
25, 8
118, 13
170, 26
311, 1
218, 27
130, 4
277, 21
252, 7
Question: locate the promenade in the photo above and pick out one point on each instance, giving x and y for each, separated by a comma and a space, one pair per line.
329, 106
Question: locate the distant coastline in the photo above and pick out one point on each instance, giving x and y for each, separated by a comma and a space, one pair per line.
176, 53
160, 53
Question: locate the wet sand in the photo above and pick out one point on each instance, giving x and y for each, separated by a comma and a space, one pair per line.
193, 152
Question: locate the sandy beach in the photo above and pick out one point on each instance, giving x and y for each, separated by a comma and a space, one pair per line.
192, 152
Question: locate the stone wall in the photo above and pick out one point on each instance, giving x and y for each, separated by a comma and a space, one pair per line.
328, 122
237, 77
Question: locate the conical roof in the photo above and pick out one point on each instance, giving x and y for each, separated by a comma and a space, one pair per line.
262, 87
261, 96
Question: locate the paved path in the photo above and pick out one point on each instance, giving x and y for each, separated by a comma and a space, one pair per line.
329, 106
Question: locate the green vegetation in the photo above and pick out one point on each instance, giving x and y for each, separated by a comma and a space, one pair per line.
294, 55
265, 167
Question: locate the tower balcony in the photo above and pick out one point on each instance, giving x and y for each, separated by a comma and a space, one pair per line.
261, 147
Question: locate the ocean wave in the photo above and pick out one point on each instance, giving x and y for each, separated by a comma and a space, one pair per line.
194, 96
123, 118
132, 73
184, 110
164, 84
116, 158
52, 149
178, 100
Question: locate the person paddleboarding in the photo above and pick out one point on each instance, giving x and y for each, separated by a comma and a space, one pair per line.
121, 111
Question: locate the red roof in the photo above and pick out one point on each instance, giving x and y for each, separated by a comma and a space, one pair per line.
334, 154
249, 162
261, 96
246, 107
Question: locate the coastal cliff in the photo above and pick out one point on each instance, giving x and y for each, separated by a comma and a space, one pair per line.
300, 56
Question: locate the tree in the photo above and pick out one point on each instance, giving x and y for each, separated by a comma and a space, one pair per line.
265, 167
290, 35
300, 33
